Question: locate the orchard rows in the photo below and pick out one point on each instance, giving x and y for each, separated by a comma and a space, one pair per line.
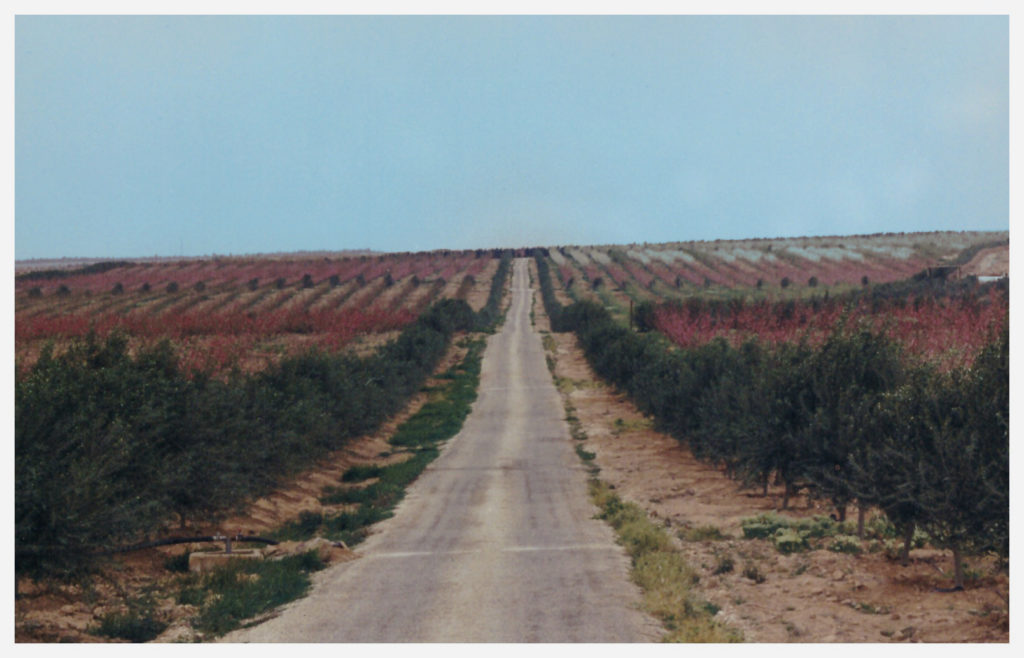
792, 290
245, 312
679, 270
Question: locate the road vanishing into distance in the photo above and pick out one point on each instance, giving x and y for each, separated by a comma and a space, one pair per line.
495, 542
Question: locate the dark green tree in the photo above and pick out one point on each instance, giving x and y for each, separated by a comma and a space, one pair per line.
846, 376
885, 468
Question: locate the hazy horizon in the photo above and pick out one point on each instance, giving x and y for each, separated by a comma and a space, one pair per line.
345, 253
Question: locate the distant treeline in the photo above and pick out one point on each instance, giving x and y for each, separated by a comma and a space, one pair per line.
49, 275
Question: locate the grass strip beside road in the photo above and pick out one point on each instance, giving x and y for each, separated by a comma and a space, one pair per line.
229, 596
223, 599
667, 581
438, 420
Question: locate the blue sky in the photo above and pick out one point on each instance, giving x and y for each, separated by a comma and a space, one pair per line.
141, 136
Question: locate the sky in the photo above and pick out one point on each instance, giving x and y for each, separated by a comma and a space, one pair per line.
138, 136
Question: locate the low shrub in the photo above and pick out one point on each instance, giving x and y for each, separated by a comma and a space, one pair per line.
845, 544
763, 526
723, 564
880, 527
389, 489
585, 455
242, 590
300, 529
139, 623
361, 472
752, 572
819, 526
177, 563
350, 527
703, 533
788, 541
792, 535
641, 537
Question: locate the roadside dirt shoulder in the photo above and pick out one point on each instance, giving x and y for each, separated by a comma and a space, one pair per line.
814, 596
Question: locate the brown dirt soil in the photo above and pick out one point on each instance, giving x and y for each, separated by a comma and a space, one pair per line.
393, 295
989, 262
330, 298
814, 596
478, 294
52, 612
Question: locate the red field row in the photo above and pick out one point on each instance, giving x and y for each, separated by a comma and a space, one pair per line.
247, 313
341, 324
133, 276
948, 331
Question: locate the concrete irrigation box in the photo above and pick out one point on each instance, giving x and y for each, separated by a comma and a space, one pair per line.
208, 561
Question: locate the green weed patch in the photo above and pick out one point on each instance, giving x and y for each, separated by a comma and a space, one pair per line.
230, 595
139, 623
795, 535
442, 418
703, 533
438, 420
361, 472
390, 485
585, 455
661, 572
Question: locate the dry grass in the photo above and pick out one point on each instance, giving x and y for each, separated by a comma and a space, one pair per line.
667, 580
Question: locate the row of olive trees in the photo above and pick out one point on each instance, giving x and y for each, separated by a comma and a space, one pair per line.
490, 313
854, 420
109, 446
112, 446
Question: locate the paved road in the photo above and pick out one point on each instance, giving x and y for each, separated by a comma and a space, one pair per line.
495, 542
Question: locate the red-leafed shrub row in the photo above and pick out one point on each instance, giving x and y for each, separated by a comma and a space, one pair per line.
231, 313
594, 274
132, 276
567, 274
638, 273
617, 274
237, 325
218, 341
945, 329
348, 323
